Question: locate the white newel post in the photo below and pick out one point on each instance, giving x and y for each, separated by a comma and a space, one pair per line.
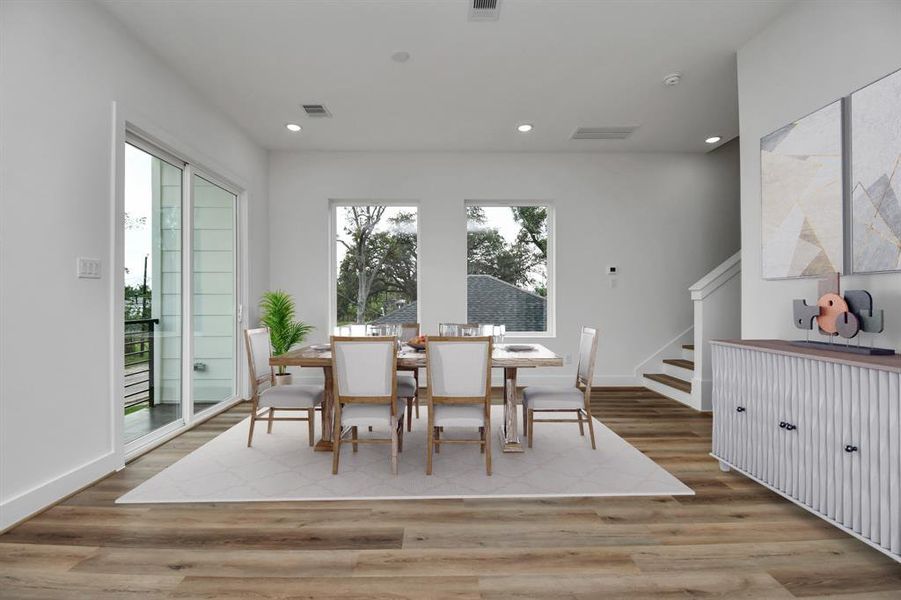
717, 313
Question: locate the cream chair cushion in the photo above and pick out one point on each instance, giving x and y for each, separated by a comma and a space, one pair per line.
406, 385
549, 397
370, 415
292, 396
459, 415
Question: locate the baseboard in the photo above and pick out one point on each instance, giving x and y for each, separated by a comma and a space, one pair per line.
27, 504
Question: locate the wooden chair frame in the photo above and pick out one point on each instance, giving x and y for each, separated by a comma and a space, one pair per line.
259, 383
434, 433
414, 401
395, 425
582, 383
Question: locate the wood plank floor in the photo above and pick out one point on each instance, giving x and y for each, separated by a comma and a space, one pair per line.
734, 539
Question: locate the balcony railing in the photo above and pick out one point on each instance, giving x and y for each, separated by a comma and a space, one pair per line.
139, 336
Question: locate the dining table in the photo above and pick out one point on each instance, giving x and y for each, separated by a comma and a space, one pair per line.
503, 357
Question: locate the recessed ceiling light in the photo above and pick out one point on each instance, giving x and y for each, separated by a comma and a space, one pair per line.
401, 56
293, 127
713, 139
524, 127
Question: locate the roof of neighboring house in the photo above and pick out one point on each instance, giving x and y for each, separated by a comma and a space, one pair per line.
490, 301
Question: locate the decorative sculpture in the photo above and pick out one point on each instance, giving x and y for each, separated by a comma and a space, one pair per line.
836, 315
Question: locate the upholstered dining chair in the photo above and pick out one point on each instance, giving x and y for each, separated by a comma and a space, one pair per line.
266, 395
408, 377
365, 391
555, 400
459, 383
459, 329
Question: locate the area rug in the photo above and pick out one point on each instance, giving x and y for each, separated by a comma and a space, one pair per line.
282, 467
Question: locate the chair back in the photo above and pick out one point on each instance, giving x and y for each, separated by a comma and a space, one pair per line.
259, 350
408, 331
459, 329
383, 330
365, 370
459, 369
588, 350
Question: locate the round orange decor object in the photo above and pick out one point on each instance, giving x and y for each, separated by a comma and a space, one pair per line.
831, 306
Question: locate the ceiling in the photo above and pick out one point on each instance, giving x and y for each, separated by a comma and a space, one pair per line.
558, 64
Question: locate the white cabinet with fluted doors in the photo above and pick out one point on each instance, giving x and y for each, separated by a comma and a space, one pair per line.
821, 428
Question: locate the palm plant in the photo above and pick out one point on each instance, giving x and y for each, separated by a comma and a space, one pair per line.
278, 315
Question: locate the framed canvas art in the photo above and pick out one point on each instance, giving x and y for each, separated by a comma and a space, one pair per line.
801, 196
876, 176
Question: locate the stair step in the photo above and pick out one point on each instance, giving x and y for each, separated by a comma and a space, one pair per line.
681, 363
688, 346
673, 382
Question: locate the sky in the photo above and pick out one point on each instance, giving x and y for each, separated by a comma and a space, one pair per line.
138, 204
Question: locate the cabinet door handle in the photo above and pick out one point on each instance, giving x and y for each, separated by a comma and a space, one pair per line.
850, 448
790, 427
783, 424
740, 409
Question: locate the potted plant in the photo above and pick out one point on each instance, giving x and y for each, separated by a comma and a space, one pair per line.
284, 332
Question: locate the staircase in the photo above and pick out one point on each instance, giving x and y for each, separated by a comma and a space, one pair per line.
675, 381
678, 370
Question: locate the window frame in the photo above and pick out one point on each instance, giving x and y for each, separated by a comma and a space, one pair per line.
551, 330
333, 206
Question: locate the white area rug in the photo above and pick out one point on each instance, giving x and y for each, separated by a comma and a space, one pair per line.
281, 466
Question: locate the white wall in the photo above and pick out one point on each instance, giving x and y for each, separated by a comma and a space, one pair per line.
813, 55
62, 65
663, 219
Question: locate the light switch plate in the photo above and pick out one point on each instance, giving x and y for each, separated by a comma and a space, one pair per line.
88, 268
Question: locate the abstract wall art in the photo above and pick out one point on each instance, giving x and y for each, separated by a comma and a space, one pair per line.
876, 176
801, 193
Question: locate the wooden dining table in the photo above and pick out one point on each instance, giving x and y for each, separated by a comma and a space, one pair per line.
502, 358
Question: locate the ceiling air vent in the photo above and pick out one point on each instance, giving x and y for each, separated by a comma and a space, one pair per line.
316, 110
603, 133
484, 10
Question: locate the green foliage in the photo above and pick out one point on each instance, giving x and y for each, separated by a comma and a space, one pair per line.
278, 314
518, 262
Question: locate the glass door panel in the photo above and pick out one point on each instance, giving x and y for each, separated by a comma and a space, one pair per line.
214, 298
152, 396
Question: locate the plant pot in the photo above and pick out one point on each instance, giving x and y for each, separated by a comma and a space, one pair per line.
283, 379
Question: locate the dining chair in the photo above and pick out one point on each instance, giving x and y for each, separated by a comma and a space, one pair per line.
459, 329
459, 384
408, 377
365, 391
267, 395
555, 400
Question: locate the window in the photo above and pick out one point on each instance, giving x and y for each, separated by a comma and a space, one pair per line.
376, 277
509, 267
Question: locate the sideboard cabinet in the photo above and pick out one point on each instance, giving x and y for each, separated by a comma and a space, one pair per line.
821, 428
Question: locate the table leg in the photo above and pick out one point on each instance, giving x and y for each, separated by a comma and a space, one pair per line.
510, 433
328, 410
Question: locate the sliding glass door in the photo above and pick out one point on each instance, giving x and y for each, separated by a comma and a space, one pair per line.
214, 332
180, 247
152, 235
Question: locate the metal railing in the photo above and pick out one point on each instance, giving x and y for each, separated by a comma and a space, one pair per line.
139, 337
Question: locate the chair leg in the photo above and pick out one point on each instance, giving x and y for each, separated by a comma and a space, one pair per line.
431, 445
581, 426
253, 419
400, 435
311, 424
438, 440
482, 437
416, 397
353, 437
394, 425
531, 426
409, 414
487, 446
336, 439
590, 428
525, 420
271, 415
